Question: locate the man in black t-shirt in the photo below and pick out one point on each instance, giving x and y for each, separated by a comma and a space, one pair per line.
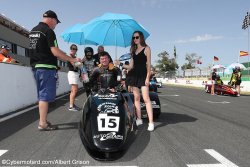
213, 78
43, 53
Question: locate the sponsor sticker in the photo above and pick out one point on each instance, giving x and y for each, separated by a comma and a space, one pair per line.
108, 136
108, 107
108, 123
106, 96
154, 105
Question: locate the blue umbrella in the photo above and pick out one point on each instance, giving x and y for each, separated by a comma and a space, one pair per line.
124, 57
113, 30
75, 34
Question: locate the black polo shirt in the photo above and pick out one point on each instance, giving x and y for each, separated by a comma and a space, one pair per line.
214, 75
41, 39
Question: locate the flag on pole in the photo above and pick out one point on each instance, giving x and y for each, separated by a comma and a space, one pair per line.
175, 52
198, 61
246, 21
216, 58
243, 53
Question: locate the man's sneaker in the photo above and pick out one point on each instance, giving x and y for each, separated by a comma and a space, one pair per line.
73, 109
139, 122
151, 127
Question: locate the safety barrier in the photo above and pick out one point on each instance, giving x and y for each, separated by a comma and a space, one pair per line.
18, 89
245, 85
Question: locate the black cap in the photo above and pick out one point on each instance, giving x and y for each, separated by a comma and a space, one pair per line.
51, 14
4, 46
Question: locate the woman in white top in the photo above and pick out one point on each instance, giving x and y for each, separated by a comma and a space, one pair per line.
73, 78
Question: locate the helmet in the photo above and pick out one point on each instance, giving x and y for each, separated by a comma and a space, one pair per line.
237, 68
88, 49
4, 46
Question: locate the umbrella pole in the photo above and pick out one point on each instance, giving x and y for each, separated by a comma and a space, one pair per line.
115, 52
238, 57
248, 46
115, 43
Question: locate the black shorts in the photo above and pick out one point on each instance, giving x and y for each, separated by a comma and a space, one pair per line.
238, 82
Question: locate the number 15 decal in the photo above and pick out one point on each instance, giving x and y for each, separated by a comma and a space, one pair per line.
108, 123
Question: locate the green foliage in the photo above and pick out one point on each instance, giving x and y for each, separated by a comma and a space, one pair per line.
191, 61
165, 63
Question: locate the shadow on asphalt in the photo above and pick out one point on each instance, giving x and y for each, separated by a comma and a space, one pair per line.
143, 136
66, 126
12, 125
139, 144
245, 95
173, 118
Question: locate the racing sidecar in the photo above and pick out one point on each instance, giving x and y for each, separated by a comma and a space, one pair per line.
108, 124
153, 86
221, 89
156, 105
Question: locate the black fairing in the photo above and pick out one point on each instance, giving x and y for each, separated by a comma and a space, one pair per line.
107, 125
156, 105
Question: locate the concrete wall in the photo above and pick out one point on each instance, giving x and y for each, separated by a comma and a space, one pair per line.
18, 89
245, 85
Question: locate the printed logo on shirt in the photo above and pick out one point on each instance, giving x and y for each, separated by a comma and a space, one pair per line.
55, 43
33, 40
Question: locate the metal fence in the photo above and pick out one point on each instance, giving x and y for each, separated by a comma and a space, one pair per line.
189, 73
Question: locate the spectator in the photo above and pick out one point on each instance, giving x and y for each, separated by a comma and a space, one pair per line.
4, 55
238, 80
213, 78
218, 80
88, 66
233, 78
44, 52
73, 78
140, 69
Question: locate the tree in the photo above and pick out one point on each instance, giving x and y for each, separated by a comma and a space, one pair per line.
165, 63
191, 61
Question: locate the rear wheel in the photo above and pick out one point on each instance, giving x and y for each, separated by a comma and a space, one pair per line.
156, 116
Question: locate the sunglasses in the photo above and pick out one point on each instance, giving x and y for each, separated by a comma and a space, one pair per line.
136, 37
73, 48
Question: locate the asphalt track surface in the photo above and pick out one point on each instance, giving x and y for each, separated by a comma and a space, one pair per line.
194, 128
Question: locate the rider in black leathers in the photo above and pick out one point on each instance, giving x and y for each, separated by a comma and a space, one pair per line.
88, 66
106, 75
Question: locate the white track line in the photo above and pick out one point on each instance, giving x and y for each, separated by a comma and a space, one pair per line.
26, 110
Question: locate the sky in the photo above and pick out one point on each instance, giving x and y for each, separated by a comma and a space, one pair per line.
206, 27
